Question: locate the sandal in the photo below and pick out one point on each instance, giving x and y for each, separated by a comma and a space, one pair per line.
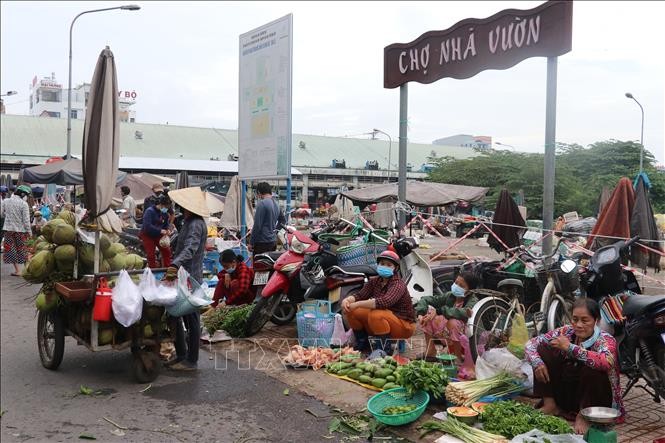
14, 274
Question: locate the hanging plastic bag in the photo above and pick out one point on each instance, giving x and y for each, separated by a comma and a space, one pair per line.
339, 336
190, 295
497, 360
148, 285
518, 337
127, 302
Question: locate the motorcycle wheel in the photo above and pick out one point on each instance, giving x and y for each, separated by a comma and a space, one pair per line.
485, 337
284, 313
261, 313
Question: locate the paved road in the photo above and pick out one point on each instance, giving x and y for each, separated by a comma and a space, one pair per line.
211, 405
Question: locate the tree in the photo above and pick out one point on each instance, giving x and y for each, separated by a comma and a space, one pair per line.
581, 174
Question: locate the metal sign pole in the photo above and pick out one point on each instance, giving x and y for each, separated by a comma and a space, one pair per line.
243, 218
403, 116
550, 149
288, 197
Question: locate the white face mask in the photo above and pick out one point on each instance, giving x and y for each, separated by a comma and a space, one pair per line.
25, 198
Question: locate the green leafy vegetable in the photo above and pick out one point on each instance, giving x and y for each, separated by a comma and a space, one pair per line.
85, 390
421, 375
231, 319
460, 430
510, 418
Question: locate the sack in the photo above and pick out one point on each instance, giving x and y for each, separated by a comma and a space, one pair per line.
165, 241
497, 360
190, 296
127, 302
339, 336
537, 436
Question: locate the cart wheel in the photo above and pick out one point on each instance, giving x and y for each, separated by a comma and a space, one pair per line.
145, 366
50, 339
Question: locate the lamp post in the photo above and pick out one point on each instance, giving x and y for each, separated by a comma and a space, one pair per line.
504, 144
8, 94
69, 91
629, 95
390, 147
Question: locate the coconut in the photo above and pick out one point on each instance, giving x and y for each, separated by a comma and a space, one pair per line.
104, 243
40, 267
117, 262
64, 235
68, 217
105, 337
46, 301
40, 239
147, 331
104, 266
87, 254
115, 248
134, 261
44, 246
65, 253
49, 228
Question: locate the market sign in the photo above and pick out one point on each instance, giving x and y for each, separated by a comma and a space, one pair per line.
264, 121
474, 45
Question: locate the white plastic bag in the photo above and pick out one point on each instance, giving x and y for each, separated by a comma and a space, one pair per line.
197, 294
127, 302
536, 436
339, 336
148, 285
497, 360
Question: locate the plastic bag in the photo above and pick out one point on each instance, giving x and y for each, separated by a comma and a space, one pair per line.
518, 336
339, 336
536, 436
165, 241
497, 360
197, 294
148, 285
127, 302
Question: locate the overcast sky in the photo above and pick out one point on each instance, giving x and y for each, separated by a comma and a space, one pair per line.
182, 61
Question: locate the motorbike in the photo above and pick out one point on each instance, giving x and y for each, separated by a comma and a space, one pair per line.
282, 291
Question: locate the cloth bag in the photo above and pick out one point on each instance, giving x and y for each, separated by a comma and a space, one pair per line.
127, 302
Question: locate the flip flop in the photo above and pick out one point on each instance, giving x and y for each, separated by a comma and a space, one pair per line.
14, 274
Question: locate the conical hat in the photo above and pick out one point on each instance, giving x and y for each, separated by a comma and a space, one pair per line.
193, 199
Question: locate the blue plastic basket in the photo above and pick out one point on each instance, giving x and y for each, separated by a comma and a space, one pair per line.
211, 262
315, 323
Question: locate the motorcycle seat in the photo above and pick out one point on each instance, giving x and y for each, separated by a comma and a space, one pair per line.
274, 254
365, 269
637, 305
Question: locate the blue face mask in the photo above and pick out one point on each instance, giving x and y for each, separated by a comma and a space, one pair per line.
230, 270
457, 290
586, 344
384, 271
165, 210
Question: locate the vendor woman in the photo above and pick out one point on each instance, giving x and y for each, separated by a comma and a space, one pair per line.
382, 309
235, 281
443, 316
576, 366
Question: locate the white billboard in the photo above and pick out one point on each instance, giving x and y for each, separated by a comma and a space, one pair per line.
264, 117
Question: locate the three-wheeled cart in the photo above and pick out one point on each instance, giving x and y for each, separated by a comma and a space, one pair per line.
73, 317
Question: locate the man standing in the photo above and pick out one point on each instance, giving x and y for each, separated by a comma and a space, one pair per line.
266, 219
189, 254
129, 205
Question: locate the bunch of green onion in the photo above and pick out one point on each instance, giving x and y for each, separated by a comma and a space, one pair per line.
467, 392
464, 432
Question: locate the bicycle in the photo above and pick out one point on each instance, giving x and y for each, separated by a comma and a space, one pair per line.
491, 321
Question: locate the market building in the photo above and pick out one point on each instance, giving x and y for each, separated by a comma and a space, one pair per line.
49, 99
321, 165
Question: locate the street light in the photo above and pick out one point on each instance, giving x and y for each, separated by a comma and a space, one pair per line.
503, 144
69, 91
390, 147
629, 95
8, 94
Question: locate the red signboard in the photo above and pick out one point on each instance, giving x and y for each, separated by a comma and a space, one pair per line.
474, 45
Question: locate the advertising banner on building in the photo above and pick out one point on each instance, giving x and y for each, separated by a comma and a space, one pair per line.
474, 45
264, 118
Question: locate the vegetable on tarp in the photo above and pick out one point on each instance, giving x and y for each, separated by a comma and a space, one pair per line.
467, 392
460, 430
422, 375
510, 418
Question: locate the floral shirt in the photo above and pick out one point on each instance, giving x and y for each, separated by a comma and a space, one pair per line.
16, 214
602, 356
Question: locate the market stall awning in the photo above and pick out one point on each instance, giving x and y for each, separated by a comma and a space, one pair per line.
419, 193
66, 172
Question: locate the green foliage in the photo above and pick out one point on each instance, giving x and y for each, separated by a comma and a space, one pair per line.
581, 174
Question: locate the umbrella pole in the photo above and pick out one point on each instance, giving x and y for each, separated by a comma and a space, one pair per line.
97, 241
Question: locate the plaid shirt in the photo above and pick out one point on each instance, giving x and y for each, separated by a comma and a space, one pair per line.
240, 290
392, 295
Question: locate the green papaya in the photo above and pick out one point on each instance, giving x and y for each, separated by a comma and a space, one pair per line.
365, 379
390, 378
389, 385
383, 372
378, 382
343, 372
355, 374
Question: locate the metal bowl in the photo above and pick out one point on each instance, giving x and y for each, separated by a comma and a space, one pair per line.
601, 415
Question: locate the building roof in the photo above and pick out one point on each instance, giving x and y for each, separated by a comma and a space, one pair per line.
24, 137
180, 164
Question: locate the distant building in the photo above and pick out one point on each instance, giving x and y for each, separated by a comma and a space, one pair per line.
49, 99
466, 141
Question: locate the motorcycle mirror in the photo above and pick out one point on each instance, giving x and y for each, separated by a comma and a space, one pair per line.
568, 266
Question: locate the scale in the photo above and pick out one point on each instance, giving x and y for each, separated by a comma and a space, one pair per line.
448, 363
601, 420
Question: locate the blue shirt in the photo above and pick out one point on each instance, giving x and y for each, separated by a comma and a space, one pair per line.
266, 219
154, 221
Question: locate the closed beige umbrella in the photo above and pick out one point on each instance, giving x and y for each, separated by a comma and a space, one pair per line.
101, 147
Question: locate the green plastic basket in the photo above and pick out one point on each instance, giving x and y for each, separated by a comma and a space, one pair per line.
397, 397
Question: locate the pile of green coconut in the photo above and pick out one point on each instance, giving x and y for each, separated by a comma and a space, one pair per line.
56, 253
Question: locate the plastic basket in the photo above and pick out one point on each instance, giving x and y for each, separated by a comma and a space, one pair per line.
362, 254
315, 323
397, 397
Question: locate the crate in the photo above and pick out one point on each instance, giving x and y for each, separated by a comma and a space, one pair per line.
315, 322
74, 291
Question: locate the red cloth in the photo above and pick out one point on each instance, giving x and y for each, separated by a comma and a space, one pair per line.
614, 221
149, 245
393, 295
240, 291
